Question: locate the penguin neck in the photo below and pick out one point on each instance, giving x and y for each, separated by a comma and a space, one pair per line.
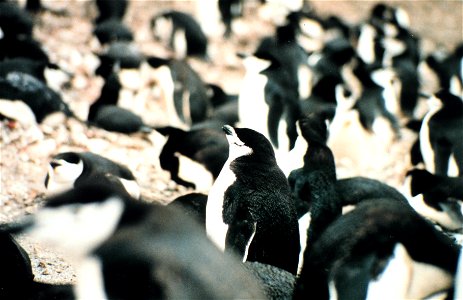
320, 156
325, 205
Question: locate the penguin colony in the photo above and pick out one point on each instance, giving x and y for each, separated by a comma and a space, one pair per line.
271, 195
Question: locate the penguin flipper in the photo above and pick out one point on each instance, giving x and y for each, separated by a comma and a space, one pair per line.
240, 235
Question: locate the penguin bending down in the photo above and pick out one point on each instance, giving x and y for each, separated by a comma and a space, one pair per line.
436, 197
249, 208
70, 169
381, 249
128, 249
193, 158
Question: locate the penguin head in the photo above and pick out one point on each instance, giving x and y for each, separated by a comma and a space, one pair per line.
247, 142
314, 128
63, 171
76, 221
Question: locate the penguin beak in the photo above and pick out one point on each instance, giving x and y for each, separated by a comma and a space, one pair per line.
228, 129
54, 164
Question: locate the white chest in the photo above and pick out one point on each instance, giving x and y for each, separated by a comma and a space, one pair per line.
215, 227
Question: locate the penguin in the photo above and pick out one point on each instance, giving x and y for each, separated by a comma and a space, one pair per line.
440, 134
207, 147
110, 10
447, 67
68, 170
458, 293
112, 30
273, 85
185, 95
118, 56
249, 208
105, 113
378, 99
319, 196
277, 283
194, 205
17, 278
224, 105
436, 197
16, 34
229, 10
36, 6
14, 21
382, 248
42, 100
49, 73
12, 47
123, 248
180, 32
314, 183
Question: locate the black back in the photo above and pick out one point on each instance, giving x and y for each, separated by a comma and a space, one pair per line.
261, 194
365, 238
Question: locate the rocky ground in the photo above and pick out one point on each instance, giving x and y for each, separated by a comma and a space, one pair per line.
25, 152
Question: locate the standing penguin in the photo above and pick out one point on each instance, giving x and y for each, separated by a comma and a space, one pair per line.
181, 32
440, 135
69, 169
249, 208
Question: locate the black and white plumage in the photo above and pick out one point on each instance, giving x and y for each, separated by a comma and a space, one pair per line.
69, 170
229, 11
440, 135
124, 248
271, 86
382, 248
448, 69
314, 183
180, 32
249, 209
205, 146
378, 99
41, 99
118, 56
106, 114
184, 93
225, 106
436, 197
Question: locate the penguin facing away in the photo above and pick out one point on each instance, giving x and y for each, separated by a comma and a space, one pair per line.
180, 32
125, 249
249, 209
440, 135
70, 169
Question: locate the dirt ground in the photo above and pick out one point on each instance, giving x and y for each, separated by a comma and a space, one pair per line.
25, 152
